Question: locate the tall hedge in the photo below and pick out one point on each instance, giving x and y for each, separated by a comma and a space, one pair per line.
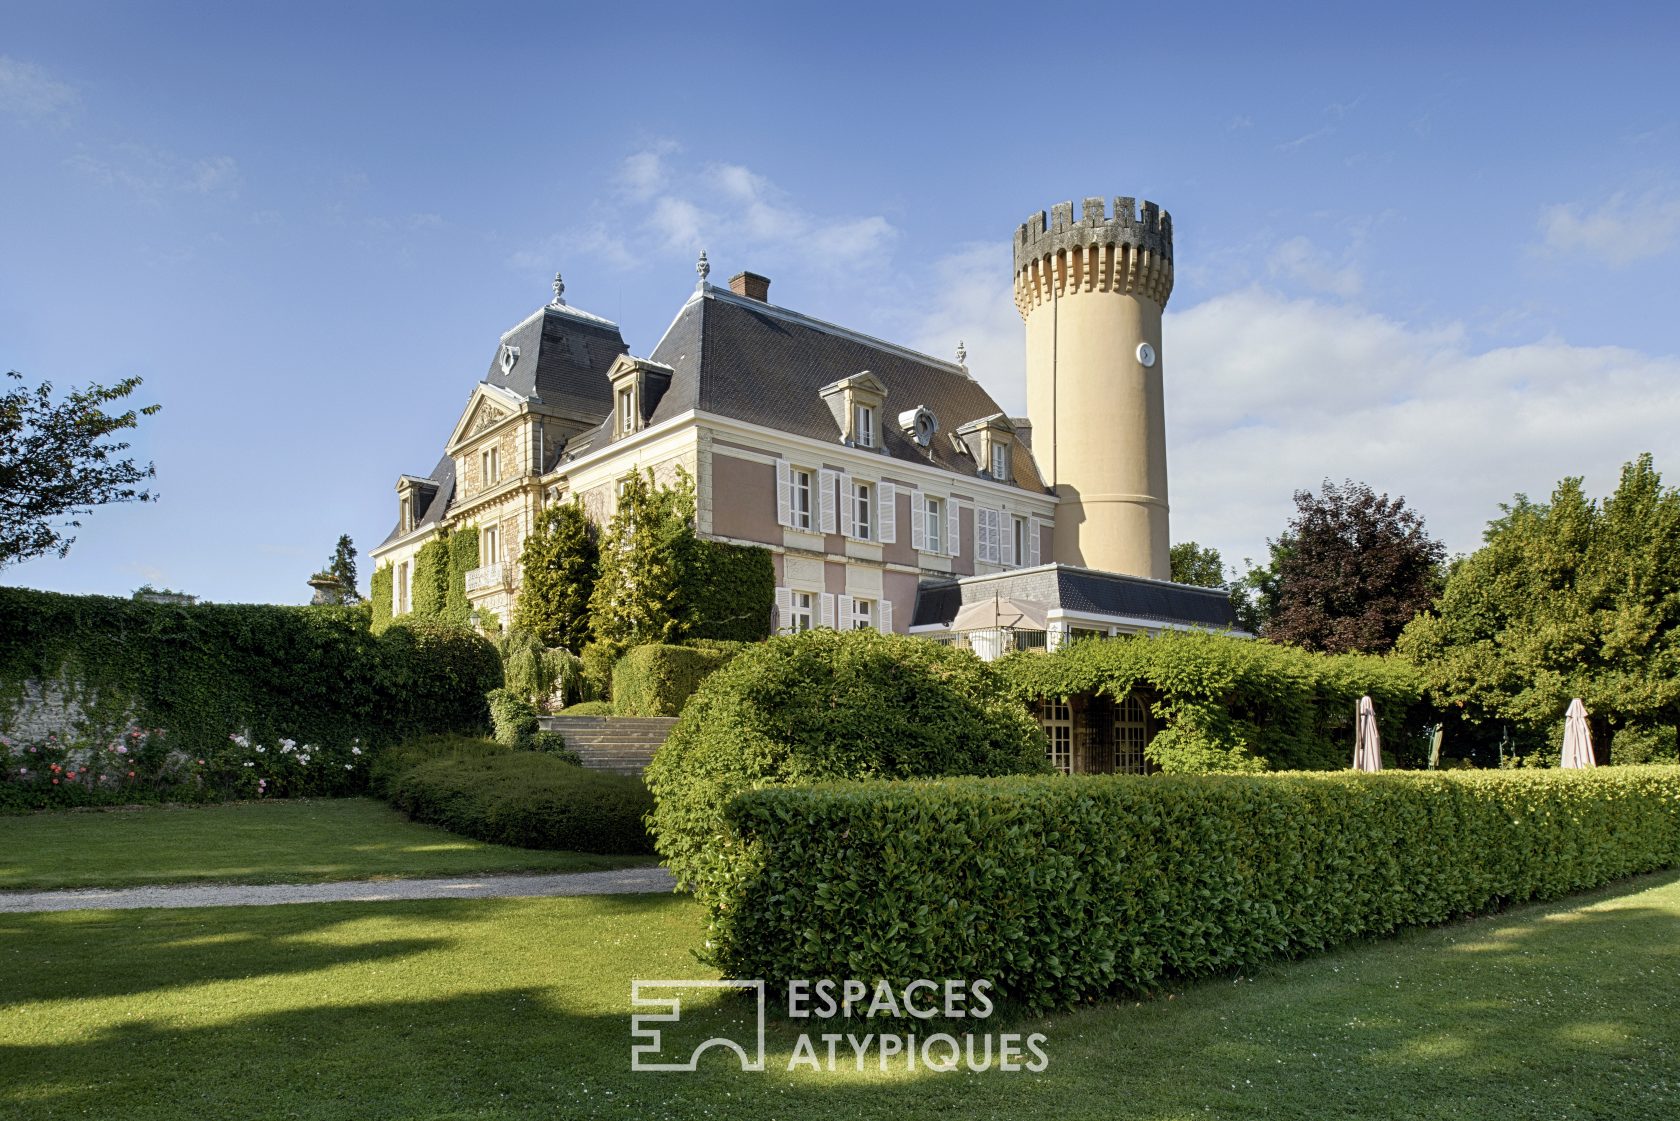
827, 705
658, 679
1065, 889
381, 586
730, 591
463, 558
1232, 704
204, 672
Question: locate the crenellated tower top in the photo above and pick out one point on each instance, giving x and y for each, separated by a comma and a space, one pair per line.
1129, 253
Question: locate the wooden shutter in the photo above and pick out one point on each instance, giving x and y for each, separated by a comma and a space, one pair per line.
918, 520
828, 610
848, 504
1035, 530
1006, 538
886, 516
784, 493
825, 499
885, 608
846, 622
784, 609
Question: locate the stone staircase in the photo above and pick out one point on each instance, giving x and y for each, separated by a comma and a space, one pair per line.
623, 745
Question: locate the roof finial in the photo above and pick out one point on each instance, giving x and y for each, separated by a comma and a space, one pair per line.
559, 291
962, 353
704, 268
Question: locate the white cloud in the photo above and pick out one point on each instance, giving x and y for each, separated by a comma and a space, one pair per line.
1267, 395
1619, 232
973, 303
152, 172
1298, 259
729, 210
28, 91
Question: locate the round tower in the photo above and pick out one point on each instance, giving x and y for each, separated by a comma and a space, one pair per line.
1091, 292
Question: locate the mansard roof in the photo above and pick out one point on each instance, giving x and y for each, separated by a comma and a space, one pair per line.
563, 354
441, 482
755, 362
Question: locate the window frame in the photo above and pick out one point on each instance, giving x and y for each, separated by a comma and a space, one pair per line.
933, 525
802, 617
863, 508
863, 425
489, 466
626, 410
489, 545
863, 614
1019, 530
1000, 458
804, 487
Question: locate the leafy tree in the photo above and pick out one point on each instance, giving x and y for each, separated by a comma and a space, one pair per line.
560, 560
343, 566
1567, 598
1192, 564
639, 593
57, 462
1351, 571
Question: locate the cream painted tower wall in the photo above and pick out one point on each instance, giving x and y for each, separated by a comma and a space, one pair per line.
1091, 292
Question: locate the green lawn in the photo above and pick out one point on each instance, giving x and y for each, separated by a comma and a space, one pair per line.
290, 841
519, 1008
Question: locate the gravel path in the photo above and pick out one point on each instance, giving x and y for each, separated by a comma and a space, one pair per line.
621, 881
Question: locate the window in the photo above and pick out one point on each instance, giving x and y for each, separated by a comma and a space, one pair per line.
1000, 460
935, 526
400, 590
1021, 541
1057, 719
490, 546
863, 494
863, 614
801, 499
863, 425
626, 410
801, 615
490, 461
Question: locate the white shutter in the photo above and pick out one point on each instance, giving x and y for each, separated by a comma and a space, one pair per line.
979, 533
1006, 536
953, 529
828, 610
1035, 529
886, 518
886, 616
784, 609
918, 520
848, 504
846, 620
825, 482
784, 493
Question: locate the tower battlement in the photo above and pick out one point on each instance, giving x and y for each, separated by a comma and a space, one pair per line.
1129, 252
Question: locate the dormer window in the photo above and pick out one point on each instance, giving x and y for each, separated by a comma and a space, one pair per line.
863, 425
991, 442
856, 405
1000, 461
637, 387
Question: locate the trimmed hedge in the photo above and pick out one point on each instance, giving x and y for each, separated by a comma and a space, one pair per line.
526, 798
657, 679
200, 703
829, 705
1233, 704
1065, 889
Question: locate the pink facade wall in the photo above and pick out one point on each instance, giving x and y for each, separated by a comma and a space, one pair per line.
744, 500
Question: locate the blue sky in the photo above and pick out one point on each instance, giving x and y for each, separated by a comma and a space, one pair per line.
1433, 250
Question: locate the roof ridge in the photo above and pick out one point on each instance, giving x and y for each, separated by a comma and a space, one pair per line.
566, 310
799, 317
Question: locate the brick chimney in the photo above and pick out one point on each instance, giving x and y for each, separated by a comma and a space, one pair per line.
751, 285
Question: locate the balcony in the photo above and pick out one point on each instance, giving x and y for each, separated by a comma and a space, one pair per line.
485, 579
994, 642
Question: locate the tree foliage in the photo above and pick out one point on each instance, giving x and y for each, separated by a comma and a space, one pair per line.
1567, 598
1193, 564
343, 566
559, 561
638, 596
1351, 571
57, 461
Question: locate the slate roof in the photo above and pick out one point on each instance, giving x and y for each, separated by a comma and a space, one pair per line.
564, 354
1079, 589
762, 364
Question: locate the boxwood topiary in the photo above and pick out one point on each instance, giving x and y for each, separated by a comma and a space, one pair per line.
657, 679
829, 705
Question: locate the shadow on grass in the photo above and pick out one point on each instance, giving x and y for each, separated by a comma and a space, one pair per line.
1545, 1011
